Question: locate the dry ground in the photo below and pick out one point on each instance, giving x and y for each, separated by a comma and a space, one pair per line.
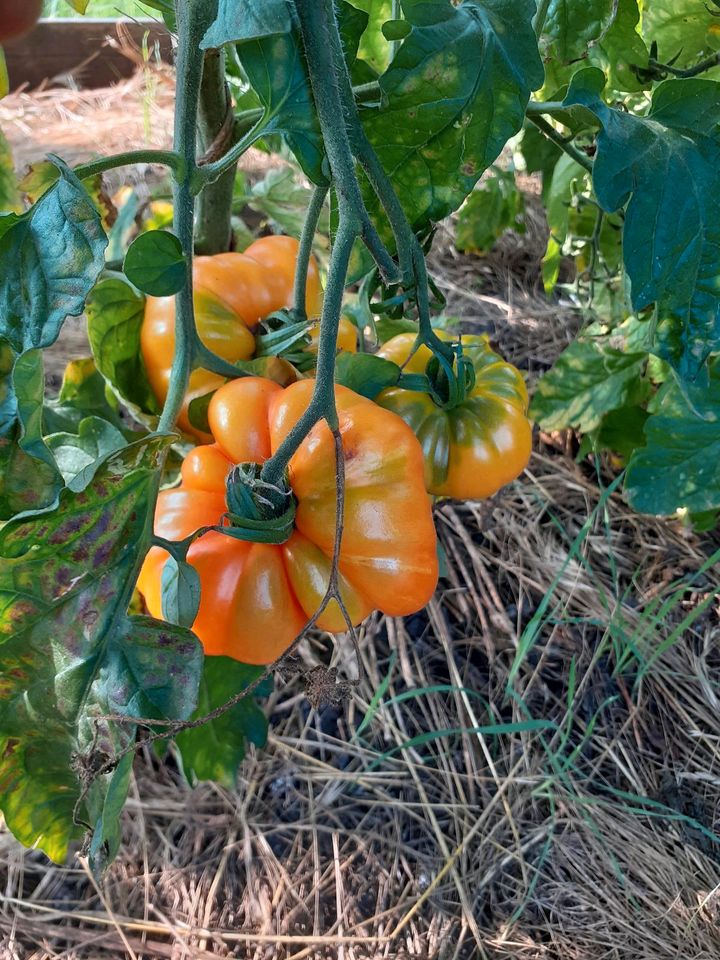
398, 824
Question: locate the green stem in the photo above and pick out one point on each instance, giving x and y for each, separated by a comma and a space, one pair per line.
410, 254
317, 20
194, 17
244, 138
312, 217
214, 230
551, 107
566, 145
541, 17
165, 158
322, 405
704, 65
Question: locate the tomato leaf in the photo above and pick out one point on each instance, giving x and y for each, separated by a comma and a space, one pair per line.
29, 477
115, 315
83, 393
251, 20
665, 167
79, 6
492, 208
155, 263
215, 750
79, 455
681, 27
374, 49
50, 257
435, 138
9, 194
603, 33
366, 373
679, 467
180, 592
588, 380
70, 653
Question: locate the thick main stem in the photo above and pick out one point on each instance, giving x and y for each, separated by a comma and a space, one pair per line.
194, 17
214, 230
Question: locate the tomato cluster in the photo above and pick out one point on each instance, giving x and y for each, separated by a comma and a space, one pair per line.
399, 452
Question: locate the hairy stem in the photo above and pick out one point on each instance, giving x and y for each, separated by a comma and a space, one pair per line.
214, 231
305, 249
165, 158
566, 145
194, 17
701, 67
322, 405
541, 17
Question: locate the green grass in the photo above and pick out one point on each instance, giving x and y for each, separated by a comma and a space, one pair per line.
99, 8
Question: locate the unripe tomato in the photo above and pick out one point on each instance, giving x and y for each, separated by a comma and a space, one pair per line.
18, 17
232, 294
476, 447
256, 598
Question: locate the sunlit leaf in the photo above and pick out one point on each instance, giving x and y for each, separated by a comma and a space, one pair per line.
155, 263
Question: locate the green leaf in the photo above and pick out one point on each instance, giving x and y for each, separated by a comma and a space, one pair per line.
388, 327
679, 467
588, 380
666, 168
9, 194
283, 201
79, 455
83, 393
492, 208
396, 29
374, 49
4, 79
623, 431
454, 94
70, 654
115, 314
180, 592
49, 260
29, 478
366, 373
79, 6
250, 20
602, 33
107, 832
216, 750
155, 263
683, 27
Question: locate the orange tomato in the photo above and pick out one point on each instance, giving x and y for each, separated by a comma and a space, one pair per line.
475, 448
232, 294
256, 598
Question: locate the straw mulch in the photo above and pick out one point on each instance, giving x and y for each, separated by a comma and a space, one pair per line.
423, 833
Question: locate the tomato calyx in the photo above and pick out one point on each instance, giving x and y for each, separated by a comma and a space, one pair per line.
286, 335
258, 511
448, 382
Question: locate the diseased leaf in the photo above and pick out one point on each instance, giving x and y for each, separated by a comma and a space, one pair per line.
216, 750
115, 314
83, 393
50, 258
666, 168
29, 478
454, 94
71, 655
79, 455
587, 381
374, 48
283, 201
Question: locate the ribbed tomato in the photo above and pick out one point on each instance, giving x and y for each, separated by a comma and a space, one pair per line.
232, 294
256, 598
476, 447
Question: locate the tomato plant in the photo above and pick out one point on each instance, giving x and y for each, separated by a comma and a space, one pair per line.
301, 498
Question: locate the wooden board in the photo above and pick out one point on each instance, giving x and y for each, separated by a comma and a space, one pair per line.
81, 52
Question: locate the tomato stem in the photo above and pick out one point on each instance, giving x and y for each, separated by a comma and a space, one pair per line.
165, 158
312, 218
565, 144
194, 17
214, 230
